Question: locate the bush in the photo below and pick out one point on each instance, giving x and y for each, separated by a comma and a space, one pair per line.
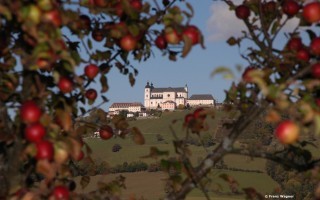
130, 167
154, 167
159, 138
116, 148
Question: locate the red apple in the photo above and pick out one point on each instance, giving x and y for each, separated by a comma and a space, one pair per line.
188, 118
294, 44
128, 43
287, 132
290, 7
44, 150
161, 42
303, 54
65, 85
317, 102
193, 33
118, 9
53, 17
242, 12
91, 94
97, 35
100, 3
30, 112
61, 193
91, 71
34, 132
199, 114
136, 4
311, 12
171, 35
246, 74
315, 69
315, 46
106, 132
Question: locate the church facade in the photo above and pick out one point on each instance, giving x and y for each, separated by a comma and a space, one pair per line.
165, 98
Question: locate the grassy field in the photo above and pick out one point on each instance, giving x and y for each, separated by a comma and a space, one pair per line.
150, 184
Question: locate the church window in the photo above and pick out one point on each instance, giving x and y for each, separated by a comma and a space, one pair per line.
168, 95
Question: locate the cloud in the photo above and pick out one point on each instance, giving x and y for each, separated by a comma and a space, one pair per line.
223, 23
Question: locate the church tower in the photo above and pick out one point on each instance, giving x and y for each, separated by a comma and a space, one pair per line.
186, 89
147, 93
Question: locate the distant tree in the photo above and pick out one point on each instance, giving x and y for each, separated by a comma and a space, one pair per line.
181, 107
124, 113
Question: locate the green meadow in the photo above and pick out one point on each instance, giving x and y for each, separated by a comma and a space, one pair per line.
150, 184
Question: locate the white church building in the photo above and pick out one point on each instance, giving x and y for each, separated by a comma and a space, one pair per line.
170, 98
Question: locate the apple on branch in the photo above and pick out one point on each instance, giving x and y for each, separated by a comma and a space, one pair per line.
91, 71
311, 12
242, 12
30, 112
287, 132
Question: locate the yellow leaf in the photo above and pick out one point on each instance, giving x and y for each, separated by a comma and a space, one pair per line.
187, 45
64, 119
46, 168
227, 73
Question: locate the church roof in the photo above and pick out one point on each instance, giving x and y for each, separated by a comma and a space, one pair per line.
125, 105
201, 97
172, 102
169, 89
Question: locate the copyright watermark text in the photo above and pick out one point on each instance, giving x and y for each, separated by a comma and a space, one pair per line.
278, 196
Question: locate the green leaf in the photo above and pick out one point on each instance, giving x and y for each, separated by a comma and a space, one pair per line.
89, 43
152, 20
164, 164
275, 26
134, 30
227, 73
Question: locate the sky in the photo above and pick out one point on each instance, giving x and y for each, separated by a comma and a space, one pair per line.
217, 24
